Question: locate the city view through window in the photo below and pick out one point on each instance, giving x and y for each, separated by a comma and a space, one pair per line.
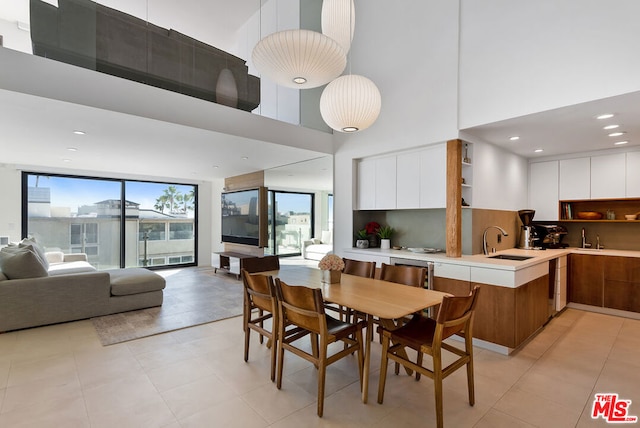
155, 227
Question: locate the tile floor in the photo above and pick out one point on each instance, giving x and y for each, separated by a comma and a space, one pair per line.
60, 376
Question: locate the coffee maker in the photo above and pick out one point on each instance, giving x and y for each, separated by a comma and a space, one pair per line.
528, 233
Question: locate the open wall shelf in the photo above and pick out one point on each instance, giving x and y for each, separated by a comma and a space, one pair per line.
569, 209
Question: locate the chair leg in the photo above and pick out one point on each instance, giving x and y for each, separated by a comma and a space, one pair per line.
280, 359
437, 381
247, 332
322, 371
360, 355
383, 368
260, 314
419, 362
470, 381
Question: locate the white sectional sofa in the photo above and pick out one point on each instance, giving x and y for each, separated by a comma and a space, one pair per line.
316, 249
37, 288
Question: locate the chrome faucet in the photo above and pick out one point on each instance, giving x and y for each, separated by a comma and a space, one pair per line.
484, 237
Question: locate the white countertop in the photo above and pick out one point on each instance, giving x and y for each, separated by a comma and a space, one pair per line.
482, 268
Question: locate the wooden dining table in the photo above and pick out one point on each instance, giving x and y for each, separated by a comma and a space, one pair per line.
373, 297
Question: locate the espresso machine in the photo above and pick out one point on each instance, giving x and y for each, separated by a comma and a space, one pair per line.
528, 233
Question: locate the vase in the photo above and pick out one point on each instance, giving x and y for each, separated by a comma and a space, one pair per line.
330, 276
362, 243
385, 244
373, 241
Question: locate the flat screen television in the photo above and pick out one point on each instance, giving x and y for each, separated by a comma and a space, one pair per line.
241, 217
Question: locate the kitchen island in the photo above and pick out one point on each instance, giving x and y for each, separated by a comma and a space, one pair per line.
515, 298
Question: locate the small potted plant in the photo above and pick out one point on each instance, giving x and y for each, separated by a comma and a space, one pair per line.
362, 239
385, 233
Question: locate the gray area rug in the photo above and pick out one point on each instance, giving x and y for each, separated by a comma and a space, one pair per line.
192, 296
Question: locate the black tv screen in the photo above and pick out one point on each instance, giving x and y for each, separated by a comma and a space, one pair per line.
240, 217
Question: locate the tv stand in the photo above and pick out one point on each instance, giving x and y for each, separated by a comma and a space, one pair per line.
233, 263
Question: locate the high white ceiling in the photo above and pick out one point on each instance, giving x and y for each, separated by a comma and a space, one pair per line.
568, 130
139, 130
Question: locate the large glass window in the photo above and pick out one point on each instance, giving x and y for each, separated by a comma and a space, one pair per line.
290, 221
117, 223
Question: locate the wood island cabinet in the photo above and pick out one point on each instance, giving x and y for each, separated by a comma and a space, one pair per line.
504, 315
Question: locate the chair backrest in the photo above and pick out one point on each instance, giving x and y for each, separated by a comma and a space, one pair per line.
259, 290
302, 306
359, 268
455, 313
407, 275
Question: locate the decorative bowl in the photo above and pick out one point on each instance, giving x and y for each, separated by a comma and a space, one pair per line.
589, 215
630, 216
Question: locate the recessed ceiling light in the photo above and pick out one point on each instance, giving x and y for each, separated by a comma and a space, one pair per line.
619, 143
66, 160
72, 149
605, 116
514, 138
216, 167
538, 150
245, 157
611, 127
79, 132
616, 134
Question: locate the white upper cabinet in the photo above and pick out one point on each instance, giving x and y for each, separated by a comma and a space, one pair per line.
575, 179
543, 190
408, 184
633, 175
367, 184
410, 180
433, 177
386, 183
608, 176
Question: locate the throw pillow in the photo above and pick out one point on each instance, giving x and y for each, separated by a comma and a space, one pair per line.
20, 264
31, 243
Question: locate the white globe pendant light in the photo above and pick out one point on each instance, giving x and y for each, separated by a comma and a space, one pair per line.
338, 21
299, 59
350, 103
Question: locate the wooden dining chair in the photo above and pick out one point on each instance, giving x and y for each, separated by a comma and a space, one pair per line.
426, 336
414, 276
357, 268
260, 305
303, 307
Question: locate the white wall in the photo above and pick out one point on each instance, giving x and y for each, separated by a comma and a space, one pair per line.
519, 57
10, 195
409, 49
208, 204
500, 178
14, 37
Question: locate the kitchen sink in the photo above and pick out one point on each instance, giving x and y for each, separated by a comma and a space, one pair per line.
510, 257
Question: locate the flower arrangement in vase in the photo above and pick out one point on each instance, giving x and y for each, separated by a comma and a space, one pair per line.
385, 233
372, 233
331, 268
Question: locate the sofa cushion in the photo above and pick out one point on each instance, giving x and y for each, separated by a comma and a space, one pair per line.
134, 281
21, 263
54, 257
37, 249
326, 237
69, 268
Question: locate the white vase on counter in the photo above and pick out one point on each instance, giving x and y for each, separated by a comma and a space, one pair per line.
385, 244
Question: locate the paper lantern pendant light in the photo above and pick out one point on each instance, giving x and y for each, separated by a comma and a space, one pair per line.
350, 103
338, 21
299, 59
